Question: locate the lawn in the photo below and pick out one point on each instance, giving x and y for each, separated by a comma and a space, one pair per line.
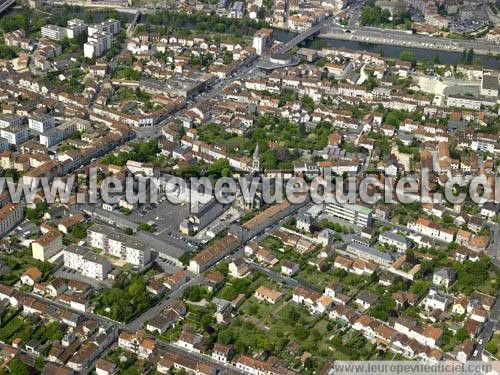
16, 327
493, 346
310, 275
18, 263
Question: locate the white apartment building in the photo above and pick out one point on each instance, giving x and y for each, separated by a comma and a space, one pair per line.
54, 32
468, 102
87, 263
97, 44
484, 143
41, 123
10, 215
51, 137
352, 213
109, 26
9, 119
261, 40
119, 245
401, 243
15, 134
75, 28
427, 228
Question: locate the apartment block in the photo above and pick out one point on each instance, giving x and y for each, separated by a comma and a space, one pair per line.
41, 123
119, 245
468, 102
109, 26
86, 262
75, 28
10, 215
47, 245
352, 213
15, 135
430, 229
97, 44
10, 119
54, 32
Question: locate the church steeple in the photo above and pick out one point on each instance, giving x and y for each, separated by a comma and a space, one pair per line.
256, 160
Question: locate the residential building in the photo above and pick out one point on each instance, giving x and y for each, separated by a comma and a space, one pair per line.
261, 40
53, 32
41, 123
269, 295
444, 277
352, 213
47, 245
86, 262
401, 243
15, 135
10, 215
119, 244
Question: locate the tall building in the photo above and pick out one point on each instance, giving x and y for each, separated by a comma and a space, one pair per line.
97, 44
86, 262
41, 123
261, 40
109, 26
10, 215
53, 32
256, 160
119, 245
352, 213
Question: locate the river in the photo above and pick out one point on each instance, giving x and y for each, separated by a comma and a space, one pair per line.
391, 51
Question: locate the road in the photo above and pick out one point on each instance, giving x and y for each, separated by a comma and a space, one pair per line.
487, 331
202, 357
138, 322
494, 246
401, 38
242, 73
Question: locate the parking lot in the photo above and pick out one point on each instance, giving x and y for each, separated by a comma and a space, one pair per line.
166, 217
68, 273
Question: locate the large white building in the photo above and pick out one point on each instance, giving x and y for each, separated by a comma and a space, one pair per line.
41, 123
429, 229
261, 40
54, 32
86, 262
400, 242
97, 44
9, 119
15, 134
10, 215
109, 26
484, 142
352, 213
119, 245
468, 102
75, 28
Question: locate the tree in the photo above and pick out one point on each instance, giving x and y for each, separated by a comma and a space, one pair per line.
79, 232
219, 168
307, 103
12, 22
145, 227
7, 52
374, 15
357, 340
420, 288
17, 367
492, 347
227, 58
408, 56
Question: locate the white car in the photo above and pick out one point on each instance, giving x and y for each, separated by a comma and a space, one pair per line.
475, 353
